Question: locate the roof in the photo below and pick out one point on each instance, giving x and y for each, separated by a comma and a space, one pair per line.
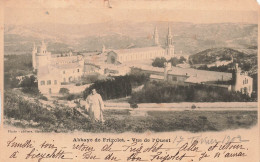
194, 75
66, 58
68, 66
159, 77
198, 76
135, 50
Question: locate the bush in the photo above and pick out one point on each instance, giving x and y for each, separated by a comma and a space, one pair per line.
71, 97
159, 62
162, 92
64, 91
29, 85
133, 105
44, 98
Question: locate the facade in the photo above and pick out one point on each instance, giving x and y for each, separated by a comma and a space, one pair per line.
54, 70
125, 55
132, 54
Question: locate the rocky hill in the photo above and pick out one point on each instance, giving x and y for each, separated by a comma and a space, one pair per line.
247, 62
188, 37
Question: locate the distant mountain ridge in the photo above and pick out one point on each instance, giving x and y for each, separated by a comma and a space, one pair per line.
188, 37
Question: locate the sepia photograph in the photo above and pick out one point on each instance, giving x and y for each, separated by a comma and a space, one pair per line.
113, 69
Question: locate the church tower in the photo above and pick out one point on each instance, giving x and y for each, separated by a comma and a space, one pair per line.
169, 43
156, 37
43, 56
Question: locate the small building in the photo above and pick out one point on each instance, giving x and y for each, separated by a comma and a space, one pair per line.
52, 70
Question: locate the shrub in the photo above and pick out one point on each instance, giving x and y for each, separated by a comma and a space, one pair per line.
133, 105
163, 92
44, 98
71, 97
64, 91
159, 62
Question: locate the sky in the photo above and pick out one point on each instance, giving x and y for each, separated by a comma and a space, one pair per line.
95, 11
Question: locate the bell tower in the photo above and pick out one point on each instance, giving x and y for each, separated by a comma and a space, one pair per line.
169, 43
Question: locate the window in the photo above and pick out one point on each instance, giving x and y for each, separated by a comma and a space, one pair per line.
42, 82
78, 70
63, 72
55, 82
49, 82
174, 78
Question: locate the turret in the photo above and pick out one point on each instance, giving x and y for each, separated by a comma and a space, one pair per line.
42, 57
169, 43
43, 49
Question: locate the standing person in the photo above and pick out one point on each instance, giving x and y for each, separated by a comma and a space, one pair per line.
95, 106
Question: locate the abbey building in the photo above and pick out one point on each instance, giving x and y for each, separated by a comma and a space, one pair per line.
132, 54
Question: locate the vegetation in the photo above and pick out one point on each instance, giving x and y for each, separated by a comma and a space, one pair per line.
209, 56
161, 92
64, 119
16, 65
64, 91
111, 88
117, 87
29, 85
223, 68
159, 62
174, 61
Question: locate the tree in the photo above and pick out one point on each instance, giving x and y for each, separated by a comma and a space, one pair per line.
159, 62
64, 91
182, 59
174, 61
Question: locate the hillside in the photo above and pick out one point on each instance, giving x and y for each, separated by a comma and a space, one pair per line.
247, 62
188, 37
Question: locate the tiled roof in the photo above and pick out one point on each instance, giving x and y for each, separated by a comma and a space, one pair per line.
68, 66
135, 50
194, 75
67, 58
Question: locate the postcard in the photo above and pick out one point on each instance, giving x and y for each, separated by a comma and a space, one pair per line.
127, 80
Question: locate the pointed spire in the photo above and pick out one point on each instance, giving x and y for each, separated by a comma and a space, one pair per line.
169, 37
169, 31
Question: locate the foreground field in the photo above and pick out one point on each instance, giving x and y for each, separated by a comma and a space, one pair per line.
118, 121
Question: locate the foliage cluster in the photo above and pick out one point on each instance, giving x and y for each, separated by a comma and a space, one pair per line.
117, 87
161, 92
159, 62
16, 65
64, 119
29, 85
